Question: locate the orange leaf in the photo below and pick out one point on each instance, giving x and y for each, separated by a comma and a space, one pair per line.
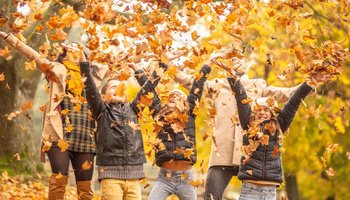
27, 106
2, 77
30, 65
86, 165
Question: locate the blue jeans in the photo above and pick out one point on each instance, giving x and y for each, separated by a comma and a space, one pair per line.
173, 182
250, 191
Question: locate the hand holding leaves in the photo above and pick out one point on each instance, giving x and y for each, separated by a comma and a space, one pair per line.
317, 78
75, 52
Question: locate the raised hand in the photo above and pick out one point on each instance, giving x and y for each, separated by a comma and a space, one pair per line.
75, 52
318, 78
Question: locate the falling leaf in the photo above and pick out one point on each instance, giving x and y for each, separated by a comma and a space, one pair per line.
184, 176
330, 172
145, 183
86, 165
134, 126
246, 101
64, 112
59, 175
17, 156
2, 77
27, 106
275, 151
250, 172
69, 128
62, 144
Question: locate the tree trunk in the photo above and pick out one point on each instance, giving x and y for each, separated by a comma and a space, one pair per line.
292, 187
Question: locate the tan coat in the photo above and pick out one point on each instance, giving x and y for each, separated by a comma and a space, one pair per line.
228, 137
56, 73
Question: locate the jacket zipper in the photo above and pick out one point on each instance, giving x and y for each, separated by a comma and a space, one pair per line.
264, 163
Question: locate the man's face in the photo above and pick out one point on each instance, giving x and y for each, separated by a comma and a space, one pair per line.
116, 91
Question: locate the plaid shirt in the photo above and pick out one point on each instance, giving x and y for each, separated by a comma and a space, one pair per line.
81, 138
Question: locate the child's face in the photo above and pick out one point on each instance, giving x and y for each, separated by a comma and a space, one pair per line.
176, 100
115, 90
263, 113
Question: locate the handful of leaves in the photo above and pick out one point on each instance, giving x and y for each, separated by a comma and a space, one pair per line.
326, 59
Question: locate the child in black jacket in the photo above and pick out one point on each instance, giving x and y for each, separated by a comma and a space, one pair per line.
176, 152
261, 164
120, 152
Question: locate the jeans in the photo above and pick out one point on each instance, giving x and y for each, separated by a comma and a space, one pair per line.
251, 191
173, 182
218, 178
116, 189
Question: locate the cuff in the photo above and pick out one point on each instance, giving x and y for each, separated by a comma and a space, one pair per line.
84, 67
139, 71
205, 69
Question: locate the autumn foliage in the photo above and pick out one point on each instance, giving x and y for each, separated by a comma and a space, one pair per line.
284, 42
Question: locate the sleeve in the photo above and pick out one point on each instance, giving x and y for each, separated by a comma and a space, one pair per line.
43, 64
197, 88
281, 94
147, 88
244, 110
93, 97
289, 110
142, 78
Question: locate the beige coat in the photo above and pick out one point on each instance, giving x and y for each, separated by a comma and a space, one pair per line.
228, 137
56, 73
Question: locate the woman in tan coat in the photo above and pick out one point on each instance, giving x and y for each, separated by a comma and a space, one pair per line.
66, 120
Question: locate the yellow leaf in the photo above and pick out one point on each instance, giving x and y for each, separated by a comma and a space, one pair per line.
69, 128
62, 144
30, 65
64, 112
59, 175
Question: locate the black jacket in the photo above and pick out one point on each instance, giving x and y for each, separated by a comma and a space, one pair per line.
178, 140
263, 164
117, 142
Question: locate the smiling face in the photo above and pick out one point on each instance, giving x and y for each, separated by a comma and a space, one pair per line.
177, 99
116, 91
263, 113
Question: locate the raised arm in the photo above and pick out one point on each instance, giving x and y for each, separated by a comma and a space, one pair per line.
244, 110
146, 89
27, 51
281, 94
197, 88
287, 114
142, 78
93, 96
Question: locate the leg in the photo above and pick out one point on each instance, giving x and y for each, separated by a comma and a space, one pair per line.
83, 165
133, 190
251, 192
161, 190
59, 162
112, 189
218, 178
186, 191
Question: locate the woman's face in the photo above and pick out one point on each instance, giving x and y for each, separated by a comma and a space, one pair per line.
263, 113
176, 100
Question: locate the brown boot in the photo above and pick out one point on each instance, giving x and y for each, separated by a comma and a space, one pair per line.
84, 190
57, 187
